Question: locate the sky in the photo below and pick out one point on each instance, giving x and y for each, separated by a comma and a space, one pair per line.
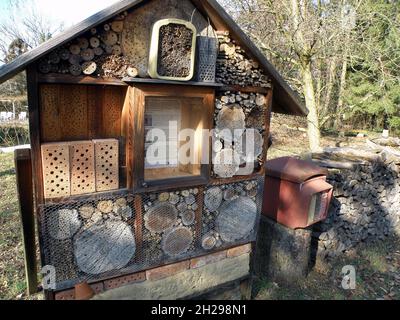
69, 12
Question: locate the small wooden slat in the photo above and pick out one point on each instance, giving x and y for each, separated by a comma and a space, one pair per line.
69, 79
107, 164
34, 132
23, 165
56, 170
138, 226
199, 215
82, 165
268, 116
172, 82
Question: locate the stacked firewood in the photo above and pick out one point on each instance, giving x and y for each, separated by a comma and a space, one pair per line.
98, 52
235, 68
367, 198
238, 116
169, 220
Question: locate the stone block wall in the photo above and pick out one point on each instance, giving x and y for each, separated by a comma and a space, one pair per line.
175, 281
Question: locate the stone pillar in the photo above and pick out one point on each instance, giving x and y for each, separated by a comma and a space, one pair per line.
282, 254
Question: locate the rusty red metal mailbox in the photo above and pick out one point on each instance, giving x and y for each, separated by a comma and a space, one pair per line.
296, 192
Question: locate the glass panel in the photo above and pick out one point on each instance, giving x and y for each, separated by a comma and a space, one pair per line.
173, 137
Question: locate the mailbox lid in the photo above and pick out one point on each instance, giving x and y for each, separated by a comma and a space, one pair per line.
293, 170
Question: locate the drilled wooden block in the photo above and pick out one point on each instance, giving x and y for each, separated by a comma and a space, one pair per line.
107, 173
82, 167
56, 170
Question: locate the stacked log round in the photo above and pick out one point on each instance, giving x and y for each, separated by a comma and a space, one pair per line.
366, 205
235, 68
96, 53
167, 215
227, 209
237, 110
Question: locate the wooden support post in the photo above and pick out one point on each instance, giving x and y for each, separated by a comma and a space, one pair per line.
23, 165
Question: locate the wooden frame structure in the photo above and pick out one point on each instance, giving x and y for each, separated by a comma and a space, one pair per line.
67, 108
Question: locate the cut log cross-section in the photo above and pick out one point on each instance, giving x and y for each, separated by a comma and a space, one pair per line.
63, 224
226, 163
177, 241
231, 123
104, 247
161, 217
213, 199
237, 219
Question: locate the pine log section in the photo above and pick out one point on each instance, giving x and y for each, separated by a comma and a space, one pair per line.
177, 241
226, 163
63, 224
23, 166
230, 121
213, 199
160, 217
237, 219
104, 247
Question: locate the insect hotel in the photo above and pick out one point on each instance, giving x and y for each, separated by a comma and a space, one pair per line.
129, 222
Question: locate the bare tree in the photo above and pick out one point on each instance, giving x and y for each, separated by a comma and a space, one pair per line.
24, 24
307, 41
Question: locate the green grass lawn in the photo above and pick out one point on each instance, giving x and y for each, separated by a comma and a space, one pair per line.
12, 281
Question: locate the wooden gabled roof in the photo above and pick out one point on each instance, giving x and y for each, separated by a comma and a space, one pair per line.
285, 100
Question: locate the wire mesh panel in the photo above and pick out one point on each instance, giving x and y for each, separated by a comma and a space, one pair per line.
231, 214
108, 237
170, 225
89, 240
207, 53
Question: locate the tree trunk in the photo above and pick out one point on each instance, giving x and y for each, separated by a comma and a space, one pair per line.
331, 83
314, 134
342, 88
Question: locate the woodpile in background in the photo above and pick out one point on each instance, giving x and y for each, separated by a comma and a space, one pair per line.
366, 206
235, 68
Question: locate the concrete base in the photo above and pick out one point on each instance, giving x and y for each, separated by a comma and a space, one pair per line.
186, 283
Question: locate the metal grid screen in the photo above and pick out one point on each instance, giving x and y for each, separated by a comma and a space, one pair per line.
231, 214
99, 239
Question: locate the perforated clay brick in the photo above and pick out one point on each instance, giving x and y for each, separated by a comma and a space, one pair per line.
82, 167
107, 172
56, 170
